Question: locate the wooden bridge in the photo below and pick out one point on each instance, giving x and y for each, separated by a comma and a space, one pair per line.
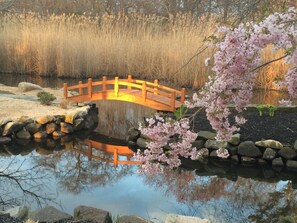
141, 92
107, 149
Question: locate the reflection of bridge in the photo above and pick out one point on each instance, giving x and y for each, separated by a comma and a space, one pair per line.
107, 149
140, 92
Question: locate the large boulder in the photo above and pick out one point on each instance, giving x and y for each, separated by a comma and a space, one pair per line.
90, 214
20, 212
51, 127
11, 127
66, 128
45, 119
248, 148
49, 214
23, 134
288, 153
269, 154
173, 218
33, 127
26, 86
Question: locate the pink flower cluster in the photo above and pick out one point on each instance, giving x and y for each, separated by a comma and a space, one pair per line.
167, 141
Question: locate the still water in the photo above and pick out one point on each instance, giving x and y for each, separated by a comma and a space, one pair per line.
82, 170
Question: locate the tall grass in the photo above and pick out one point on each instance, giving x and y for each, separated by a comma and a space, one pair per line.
148, 47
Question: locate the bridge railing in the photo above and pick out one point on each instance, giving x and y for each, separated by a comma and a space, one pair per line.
121, 85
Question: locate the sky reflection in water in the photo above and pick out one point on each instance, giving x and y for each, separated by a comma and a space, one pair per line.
72, 180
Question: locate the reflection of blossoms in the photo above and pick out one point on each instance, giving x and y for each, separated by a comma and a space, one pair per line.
285, 103
168, 140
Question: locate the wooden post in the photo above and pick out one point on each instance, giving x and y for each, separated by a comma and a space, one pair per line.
90, 87
156, 83
89, 151
183, 95
172, 101
115, 158
116, 86
129, 80
80, 90
144, 91
65, 91
104, 83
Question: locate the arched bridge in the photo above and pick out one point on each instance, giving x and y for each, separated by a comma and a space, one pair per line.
141, 92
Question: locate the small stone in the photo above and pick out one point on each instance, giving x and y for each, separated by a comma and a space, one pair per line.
269, 143
40, 135
49, 214
51, 127
94, 215
23, 134
213, 144
141, 142
277, 162
198, 144
269, 154
133, 134
235, 159
288, 153
292, 165
45, 119
206, 135
235, 140
58, 134
5, 140
66, 128
11, 127
33, 127
248, 148
248, 160
26, 86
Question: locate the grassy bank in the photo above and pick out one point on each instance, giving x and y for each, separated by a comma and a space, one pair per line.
147, 47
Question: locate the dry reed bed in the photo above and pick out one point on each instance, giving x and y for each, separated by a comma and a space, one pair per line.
147, 47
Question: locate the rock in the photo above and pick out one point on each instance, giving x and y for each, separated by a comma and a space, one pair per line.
141, 142
33, 127
213, 144
269, 154
26, 86
198, 144
51, 127
49, 214
20, 212
269, 143
58, 134
45, 119
173, 218
288, 153
232, 150
5, 121
235, 140
262, 162
23, 134
277, 162
66, 128
88, 122
248, 148
235, 159
40, 135
131, 219
248, 160
292, 165
95, 215
11, 127
206, 135
5, 140
133, 134
5, 218
78, 124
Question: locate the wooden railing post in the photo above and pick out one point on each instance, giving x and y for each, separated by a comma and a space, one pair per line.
116, 86
65, 91
80, 90
90, 87
156, 83
183, 95
143, 91
90, 151
129, 80
104, 83
115, 158
172, 101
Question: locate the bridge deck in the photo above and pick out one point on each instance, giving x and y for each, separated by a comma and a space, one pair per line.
141, 92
